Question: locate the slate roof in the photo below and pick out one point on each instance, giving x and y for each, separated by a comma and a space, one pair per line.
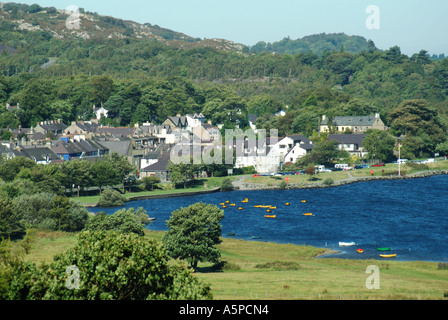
348, 138
351, 120
159, 165
36, 153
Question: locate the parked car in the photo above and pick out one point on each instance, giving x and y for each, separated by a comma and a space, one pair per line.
337, 169
379, 164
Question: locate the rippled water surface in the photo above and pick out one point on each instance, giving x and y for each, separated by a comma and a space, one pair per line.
409, 216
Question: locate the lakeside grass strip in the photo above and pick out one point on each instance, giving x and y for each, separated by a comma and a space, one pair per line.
290, 272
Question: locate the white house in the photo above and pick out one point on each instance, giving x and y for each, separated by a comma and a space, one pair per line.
99, 112
297, 152
286, 144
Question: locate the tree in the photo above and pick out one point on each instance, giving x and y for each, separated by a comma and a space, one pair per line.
102, 87
104, 174
323, 153
11, 224
124, 221
182, 172
379, 145
122, 167
193, 233
111, 266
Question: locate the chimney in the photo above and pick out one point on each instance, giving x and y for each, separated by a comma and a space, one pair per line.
377, 115
324, 117
209, 122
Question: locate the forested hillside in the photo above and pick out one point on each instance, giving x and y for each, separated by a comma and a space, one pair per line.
145, 73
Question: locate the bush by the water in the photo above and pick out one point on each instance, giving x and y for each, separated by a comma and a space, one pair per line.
111, 198
124, 221
226, 185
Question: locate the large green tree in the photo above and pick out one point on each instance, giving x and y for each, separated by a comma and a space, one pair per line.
193, 233
379, 145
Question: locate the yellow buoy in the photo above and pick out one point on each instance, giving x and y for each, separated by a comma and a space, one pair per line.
268, 210
287, 204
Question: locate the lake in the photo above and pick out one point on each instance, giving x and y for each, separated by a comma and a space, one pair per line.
409, 216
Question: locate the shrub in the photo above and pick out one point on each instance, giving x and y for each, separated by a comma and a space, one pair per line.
123, 221
282, 185
328, 182
111, 198
226, 185
150, 182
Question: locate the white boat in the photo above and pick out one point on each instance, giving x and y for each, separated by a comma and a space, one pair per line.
346, 244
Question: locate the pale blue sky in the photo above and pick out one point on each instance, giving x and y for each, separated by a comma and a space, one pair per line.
411, 24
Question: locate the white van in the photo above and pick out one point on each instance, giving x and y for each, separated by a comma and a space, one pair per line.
343, 166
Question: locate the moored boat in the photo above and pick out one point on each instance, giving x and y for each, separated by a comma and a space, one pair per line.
388, 255
346, 244
383, 249
308, 214
272, 216
359, 250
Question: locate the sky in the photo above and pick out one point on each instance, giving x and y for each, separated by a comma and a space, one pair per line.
413, 25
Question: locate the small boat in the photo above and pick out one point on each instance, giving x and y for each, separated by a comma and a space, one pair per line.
287, 204
227, 201
268, 210
232, 204
230, 234
224, 206
271, 207
245, 200
255, 237
359, 250
303, 201
240, 208
272, 216
388, 255
308, 214
383, 249
346, 244
261, 206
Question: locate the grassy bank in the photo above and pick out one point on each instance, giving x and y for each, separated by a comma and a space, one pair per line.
338, 176
259, 270
163, 189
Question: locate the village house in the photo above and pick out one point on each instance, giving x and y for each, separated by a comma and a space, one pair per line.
40, 154
353, 124
352, 143
100, 112
68, 150
55, 127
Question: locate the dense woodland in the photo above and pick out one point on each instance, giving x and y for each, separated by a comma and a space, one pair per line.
140, 80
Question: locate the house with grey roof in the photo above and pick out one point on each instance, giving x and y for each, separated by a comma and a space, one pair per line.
68, 150
352, 143
353, 124
55, 127
40, 154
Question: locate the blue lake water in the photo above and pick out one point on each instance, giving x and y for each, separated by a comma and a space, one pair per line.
409, 216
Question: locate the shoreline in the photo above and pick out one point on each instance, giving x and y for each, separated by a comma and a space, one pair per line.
244, 186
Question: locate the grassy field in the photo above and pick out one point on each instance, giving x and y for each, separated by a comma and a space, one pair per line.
163, 189
270, 271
